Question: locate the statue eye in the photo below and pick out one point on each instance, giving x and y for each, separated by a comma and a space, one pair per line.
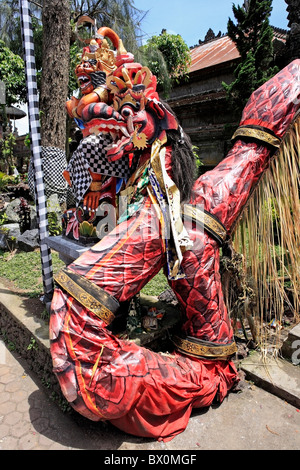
126, 111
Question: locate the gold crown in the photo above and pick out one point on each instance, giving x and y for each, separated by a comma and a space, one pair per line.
117, 83
99, 48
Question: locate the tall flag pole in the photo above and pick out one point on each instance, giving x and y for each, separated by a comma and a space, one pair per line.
34, 128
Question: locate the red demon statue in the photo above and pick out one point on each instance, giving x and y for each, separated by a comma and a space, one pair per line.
170, 221
91, 176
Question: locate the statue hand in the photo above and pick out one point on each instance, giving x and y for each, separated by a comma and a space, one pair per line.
91, 200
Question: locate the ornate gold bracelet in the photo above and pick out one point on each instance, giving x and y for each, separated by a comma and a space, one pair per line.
211, 351
102, 93
260, 134
88, 294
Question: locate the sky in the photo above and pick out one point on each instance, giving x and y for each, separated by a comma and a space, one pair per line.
191, 19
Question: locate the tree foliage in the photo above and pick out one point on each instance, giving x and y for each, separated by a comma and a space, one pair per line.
10, 28
253, 37
12, 73
168, 57
9, 11
7, 151
120, 15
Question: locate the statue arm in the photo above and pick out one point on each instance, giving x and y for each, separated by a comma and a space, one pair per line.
92, 197
75, 106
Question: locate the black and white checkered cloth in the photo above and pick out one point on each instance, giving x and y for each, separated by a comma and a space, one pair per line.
34, 128
91, 155
54, 163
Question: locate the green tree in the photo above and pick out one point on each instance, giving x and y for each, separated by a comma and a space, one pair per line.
8, 20
253, 37
10, 28
168, 57
7, 152
12, 73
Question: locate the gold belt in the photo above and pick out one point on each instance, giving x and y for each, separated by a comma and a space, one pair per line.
209, 222
88, 294
198, 348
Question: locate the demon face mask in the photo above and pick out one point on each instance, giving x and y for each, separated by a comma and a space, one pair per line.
136, 117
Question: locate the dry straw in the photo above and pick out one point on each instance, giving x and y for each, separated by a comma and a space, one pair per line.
268, 237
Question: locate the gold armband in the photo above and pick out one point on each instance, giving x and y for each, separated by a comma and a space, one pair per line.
88, 294
263, 135
74, 113
197, 348
209, 222
102, 93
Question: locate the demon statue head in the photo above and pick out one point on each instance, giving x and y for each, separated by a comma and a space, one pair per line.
97, 62
135, 118
84, 172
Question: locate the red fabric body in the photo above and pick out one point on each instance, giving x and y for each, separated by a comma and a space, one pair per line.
141, 392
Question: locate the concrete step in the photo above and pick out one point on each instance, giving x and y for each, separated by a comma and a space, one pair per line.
275, 375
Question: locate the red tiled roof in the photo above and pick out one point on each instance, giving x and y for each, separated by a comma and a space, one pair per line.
221, 50
212, 53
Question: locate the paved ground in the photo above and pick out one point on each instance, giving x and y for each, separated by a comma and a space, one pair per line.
29, 420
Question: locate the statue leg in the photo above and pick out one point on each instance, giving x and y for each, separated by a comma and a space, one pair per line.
127, 258
224, 192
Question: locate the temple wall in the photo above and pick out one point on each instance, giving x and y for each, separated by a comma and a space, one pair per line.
202, 109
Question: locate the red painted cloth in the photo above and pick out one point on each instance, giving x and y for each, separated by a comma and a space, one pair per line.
139, 391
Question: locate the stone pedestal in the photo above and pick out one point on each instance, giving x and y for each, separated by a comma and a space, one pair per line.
277, 376
68, 250
157, 340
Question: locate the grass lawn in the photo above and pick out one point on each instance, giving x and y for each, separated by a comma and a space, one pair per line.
24, 270
157, 285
